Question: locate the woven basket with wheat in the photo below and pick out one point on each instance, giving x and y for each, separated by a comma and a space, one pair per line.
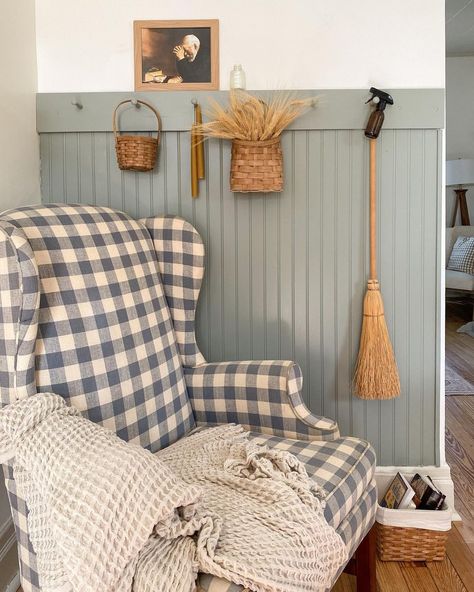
254, 125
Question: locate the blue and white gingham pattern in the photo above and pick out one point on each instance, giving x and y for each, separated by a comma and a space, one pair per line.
357, 524
19, 303
262, 396
105, 338
360, 520
180, 253
462, 255
19, 306
344, 468
95, 270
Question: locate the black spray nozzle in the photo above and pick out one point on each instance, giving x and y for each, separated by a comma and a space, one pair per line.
380, 98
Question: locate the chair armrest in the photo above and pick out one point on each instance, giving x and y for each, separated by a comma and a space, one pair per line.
261, 396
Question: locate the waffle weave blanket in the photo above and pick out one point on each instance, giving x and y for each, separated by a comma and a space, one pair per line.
107, 515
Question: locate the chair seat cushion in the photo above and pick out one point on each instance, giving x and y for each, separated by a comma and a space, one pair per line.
343, 468
352, 530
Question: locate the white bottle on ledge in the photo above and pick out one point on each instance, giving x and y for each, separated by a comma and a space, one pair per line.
237, 78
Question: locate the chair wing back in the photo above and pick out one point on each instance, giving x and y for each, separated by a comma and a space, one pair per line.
84, 315
180, 252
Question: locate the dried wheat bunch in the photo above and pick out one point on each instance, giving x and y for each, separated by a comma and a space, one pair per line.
251, 118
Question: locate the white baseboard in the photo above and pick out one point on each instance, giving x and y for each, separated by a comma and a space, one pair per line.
441, 478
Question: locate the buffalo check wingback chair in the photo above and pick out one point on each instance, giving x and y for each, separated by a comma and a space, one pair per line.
100, 308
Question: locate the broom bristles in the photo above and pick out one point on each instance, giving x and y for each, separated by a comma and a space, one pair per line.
376, 375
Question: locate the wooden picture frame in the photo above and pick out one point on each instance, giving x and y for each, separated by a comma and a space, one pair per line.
176, 55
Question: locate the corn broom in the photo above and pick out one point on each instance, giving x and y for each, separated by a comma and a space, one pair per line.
376, 375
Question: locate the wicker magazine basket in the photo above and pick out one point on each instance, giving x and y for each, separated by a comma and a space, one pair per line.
402, 537
256, 166
410, 544
136, 153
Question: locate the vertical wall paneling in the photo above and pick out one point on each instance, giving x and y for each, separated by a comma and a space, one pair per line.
286, 273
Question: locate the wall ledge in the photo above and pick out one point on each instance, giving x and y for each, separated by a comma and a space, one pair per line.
336, 109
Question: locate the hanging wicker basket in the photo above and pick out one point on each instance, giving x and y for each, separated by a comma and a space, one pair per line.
256, 166
136, 153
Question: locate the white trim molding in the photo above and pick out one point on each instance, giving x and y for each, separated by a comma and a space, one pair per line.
441, 477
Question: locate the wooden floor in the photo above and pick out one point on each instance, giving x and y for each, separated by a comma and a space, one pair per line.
460, 419
456, 573
459, 346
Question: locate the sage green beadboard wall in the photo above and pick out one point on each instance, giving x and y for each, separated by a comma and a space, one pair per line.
286, 273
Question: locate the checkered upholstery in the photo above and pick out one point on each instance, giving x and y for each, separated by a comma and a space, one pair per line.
180, 253
101, 309
19, 304
462, 255
104, 335
262, 396
343, 467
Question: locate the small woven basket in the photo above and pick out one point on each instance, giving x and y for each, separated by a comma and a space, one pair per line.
395, 543
136, 153
256, 166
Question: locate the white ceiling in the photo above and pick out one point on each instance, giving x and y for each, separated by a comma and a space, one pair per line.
459, 27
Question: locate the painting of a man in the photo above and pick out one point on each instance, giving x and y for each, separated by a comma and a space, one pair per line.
178, 56
192, 65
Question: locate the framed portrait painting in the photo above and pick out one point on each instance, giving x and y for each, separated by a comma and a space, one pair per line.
176, 55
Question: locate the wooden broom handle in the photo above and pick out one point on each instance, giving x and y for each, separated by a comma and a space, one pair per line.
373, 236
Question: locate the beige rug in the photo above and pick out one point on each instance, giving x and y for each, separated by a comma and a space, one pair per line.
468, 329
456, 384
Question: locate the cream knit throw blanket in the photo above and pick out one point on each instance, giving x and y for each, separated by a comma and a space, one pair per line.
110, 516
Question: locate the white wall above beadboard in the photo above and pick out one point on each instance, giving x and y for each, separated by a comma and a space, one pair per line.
19, 146
460, 107
459, 122
289, 44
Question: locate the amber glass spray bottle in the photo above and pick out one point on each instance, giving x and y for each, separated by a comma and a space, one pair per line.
381, 99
